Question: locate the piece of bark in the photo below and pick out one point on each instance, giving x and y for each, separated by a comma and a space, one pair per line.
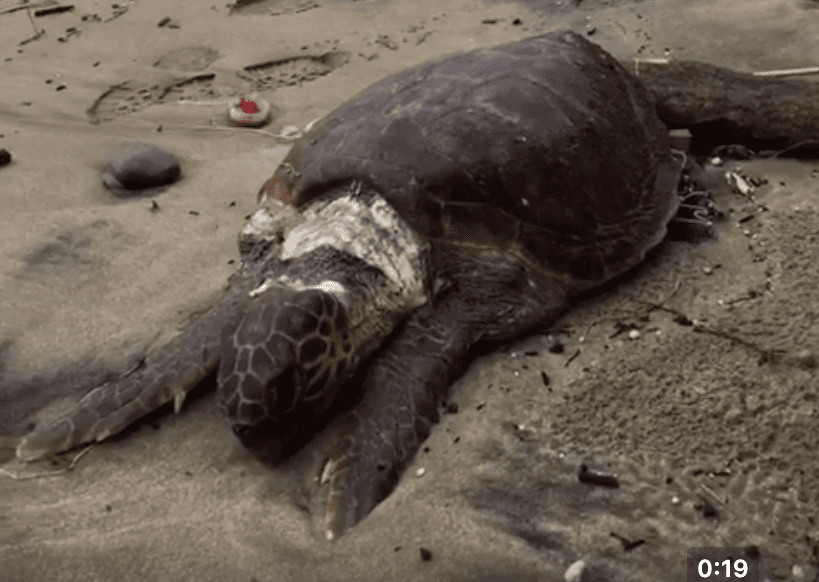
54, 10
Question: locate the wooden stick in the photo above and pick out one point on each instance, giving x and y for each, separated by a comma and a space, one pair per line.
788, 72
773, 73
53, 10
37, 33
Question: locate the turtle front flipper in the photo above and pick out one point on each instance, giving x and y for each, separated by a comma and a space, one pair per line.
167, 373
403, 391
484, 297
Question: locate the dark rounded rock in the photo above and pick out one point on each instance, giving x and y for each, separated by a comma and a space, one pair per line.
140, 169
5, 157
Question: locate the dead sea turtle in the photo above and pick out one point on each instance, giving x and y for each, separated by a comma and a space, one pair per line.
465, 199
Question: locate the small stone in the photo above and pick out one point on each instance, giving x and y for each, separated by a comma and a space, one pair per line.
574, 572
733, 413
556, 348
634, 334
597, 478
708, 510
5, 157
140, 169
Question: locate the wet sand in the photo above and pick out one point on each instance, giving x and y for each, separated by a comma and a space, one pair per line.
720, 414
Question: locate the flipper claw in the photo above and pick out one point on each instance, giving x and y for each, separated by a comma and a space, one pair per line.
178, 400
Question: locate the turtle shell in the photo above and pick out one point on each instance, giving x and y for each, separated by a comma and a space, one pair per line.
547, 144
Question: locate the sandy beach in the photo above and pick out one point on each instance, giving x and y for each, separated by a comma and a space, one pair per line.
711, 405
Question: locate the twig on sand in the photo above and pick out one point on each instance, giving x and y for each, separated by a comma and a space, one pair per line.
773, 73
286, 135
796, 146
37, 33
54, 10
230, 128
23, 6
787, 72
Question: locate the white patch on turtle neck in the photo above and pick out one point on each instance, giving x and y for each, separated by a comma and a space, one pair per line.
373, 232
331, 287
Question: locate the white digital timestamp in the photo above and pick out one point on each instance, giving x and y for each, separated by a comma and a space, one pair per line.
723, 564
706, 567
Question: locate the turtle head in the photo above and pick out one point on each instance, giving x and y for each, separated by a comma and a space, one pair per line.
282, 365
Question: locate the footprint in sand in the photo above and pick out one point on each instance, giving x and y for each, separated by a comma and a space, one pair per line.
133, 96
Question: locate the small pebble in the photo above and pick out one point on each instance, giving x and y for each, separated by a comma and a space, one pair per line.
708, 510
5, 157
140, 169
596, 478
556, 348
634, 334
575, 571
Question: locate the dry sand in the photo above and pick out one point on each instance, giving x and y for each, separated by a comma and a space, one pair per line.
700, 414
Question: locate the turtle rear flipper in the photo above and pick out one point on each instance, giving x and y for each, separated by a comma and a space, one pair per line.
167, 373
487, 296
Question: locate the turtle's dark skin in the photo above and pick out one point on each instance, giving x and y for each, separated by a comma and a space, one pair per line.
465, 199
